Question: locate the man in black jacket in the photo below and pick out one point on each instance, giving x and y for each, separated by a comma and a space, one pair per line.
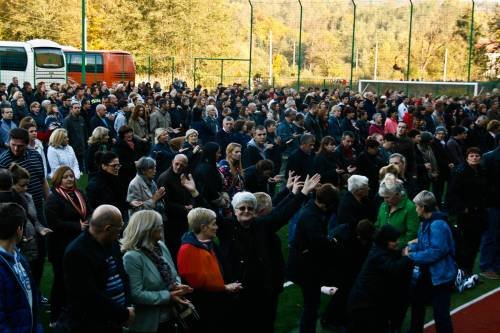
310, 252
301, 161
96, 283
182, 197
256, 148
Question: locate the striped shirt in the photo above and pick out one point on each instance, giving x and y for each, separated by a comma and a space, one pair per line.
31, 161
114, 284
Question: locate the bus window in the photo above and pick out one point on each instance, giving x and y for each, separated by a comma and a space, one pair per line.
74, 62
48, 58
13, 58
94, 63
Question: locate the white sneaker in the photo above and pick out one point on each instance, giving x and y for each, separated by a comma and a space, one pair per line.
329, 291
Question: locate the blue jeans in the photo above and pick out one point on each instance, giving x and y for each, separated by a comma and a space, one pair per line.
490, 242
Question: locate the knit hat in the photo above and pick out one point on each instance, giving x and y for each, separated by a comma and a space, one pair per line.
426, 137
386, 234
441, 129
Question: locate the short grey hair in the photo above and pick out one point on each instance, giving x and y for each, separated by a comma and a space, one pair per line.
143, 164
199, 217
356, 183
427, 200
391, 185
244, 197
398, 155
378, 114
100, 106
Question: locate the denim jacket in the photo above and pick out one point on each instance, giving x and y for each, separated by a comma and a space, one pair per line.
435, 249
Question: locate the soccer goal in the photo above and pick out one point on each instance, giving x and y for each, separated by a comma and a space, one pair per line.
419, 87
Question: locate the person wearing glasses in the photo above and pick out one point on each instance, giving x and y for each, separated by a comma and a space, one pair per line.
67, 215
104, 187
96, 282
251, 256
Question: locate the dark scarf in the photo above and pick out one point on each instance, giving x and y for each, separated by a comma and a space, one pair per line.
156, 257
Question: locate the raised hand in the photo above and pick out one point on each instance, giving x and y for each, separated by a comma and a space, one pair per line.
310, 183
159, 194
188, 182
297, 185
290, 180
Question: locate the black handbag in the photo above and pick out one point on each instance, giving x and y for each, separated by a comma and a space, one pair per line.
186, 316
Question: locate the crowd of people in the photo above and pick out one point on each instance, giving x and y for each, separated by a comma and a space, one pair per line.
388, 201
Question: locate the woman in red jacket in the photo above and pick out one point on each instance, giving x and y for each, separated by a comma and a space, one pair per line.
198, 265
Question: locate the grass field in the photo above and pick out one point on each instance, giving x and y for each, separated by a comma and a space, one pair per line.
290, 303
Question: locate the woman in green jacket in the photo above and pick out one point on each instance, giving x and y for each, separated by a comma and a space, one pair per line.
154, 282
397, 210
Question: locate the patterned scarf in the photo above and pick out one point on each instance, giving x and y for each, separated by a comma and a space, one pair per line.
156, 257
75, 198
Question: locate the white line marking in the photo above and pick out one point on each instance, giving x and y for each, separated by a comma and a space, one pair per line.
463, 306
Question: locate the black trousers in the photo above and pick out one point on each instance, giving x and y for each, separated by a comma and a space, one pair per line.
311, 294
254, 312
367, 320
471, 226
58, 292
439, 297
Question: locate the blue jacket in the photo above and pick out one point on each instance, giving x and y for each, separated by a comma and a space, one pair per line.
16, 316
435, 249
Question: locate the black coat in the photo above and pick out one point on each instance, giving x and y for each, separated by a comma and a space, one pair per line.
369, 166
251, 155
64, 220
468, 190
301, 163
104, 188
311, 249
326, 165
252, 255
350, 211
85, 277
442, 158
380, 283
127, 157
254, 182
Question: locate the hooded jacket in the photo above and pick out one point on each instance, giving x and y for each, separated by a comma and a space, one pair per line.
435, 249
16, 314
198, 264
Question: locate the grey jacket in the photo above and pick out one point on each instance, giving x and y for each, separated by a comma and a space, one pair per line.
149, 292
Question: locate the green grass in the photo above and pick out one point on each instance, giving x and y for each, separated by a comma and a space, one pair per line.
290, 302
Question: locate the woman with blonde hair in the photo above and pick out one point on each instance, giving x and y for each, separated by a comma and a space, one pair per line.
232, 170
61, 153
98, 141
154, 283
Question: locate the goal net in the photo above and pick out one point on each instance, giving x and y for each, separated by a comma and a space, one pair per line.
420, 88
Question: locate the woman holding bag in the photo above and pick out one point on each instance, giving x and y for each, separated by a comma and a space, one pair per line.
154, 283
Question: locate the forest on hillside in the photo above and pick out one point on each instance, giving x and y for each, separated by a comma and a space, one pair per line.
185, 29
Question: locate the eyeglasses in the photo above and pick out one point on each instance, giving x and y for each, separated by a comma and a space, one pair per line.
116, 165
245, 208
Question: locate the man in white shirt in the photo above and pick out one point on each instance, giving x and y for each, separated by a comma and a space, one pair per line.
403, 108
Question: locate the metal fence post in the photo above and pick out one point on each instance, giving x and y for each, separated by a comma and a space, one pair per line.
250, 47
470, 41
352, 43
84, 74
299, 60
409, 49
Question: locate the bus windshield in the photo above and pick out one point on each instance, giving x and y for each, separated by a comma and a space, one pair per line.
49, 58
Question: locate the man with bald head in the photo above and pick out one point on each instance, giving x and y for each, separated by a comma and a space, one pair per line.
96, 283
182, 197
